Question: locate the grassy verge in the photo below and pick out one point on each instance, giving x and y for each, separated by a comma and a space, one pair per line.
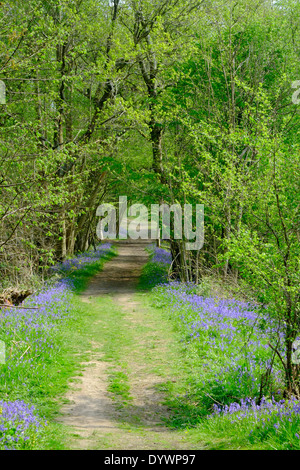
156, 270
110, 332
44, 347
136, 344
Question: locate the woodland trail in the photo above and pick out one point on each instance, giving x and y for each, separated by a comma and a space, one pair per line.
97, 420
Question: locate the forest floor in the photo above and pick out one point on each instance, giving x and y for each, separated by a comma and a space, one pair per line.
117, 401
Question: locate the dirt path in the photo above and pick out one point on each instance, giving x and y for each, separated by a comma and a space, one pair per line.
97, 420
